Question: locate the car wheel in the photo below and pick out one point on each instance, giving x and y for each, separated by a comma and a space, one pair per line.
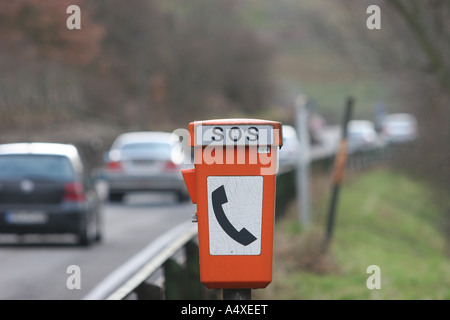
182, 196
98, 237
98, 230
116, 196
86, 236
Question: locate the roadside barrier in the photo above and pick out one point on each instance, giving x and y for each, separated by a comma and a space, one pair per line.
166, 269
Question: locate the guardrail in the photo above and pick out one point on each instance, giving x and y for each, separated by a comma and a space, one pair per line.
172, 257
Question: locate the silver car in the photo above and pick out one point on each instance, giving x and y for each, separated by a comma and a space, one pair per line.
143, 161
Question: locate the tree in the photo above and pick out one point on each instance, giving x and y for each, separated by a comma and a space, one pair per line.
428, 23
413, 48
178, 61
41, 59
145, 64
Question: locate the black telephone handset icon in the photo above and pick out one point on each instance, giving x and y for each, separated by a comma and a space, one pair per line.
219, 197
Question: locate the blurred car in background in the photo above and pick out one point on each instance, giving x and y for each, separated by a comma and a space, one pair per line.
316, 126
361, 136
143, 161
399, 127
45, 189
290, 151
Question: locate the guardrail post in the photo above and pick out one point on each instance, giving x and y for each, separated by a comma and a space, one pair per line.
193, 285
174, 280
148, 291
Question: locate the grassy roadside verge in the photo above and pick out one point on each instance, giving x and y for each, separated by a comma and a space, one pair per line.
385, 219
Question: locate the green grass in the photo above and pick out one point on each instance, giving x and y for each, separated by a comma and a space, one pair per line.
385, 219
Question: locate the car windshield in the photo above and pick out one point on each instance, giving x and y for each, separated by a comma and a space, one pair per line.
47, 167
399, 124
356, 134
147, 150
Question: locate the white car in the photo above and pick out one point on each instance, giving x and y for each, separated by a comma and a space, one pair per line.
399, 127
361, 135
143, 161
289, 153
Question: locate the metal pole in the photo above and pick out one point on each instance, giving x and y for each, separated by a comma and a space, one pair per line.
237, 294
302, 176
338, 173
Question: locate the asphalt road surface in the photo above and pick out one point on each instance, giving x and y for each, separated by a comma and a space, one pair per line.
35, 267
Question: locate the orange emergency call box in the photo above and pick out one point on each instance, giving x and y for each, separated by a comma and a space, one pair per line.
233, 185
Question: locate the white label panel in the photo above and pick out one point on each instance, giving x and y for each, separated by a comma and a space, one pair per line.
235, 214
234, 135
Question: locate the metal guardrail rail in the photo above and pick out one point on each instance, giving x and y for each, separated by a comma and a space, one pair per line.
131, 277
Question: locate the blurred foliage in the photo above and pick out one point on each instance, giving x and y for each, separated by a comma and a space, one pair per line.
33, 30
141, 64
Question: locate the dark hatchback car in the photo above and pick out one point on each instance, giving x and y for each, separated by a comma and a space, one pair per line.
44, 189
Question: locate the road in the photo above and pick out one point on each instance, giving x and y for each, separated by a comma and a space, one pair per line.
35, 267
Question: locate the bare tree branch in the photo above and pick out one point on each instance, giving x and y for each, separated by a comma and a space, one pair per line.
435, 59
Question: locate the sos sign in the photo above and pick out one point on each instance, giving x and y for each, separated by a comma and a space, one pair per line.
233, 135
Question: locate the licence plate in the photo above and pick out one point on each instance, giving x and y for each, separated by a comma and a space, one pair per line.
143, 163
26, 217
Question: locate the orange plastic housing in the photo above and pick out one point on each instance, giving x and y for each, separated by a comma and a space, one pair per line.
234, 270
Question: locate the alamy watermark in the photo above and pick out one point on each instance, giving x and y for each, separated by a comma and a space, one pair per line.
374, 280
74, 20
373, 22
74, 280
